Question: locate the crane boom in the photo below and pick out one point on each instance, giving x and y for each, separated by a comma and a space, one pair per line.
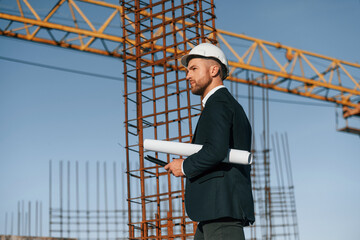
256, 62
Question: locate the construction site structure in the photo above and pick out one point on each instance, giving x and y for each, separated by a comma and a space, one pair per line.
27, 220
164, 107
271, 176
86, 201
150, 37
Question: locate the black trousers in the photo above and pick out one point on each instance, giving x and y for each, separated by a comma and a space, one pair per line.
222, 229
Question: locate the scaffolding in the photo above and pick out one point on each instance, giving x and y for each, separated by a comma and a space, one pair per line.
27, 221
272, 180
274, 194
84, 201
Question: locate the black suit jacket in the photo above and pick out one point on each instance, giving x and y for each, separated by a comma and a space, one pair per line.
214, 189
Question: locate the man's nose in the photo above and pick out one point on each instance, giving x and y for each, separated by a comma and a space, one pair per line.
188, 76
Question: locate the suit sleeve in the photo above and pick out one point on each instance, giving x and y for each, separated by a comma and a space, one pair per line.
217, 122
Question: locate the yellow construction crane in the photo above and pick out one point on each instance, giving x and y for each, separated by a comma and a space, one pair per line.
292, 72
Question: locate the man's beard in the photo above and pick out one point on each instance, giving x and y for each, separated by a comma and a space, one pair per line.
199, 90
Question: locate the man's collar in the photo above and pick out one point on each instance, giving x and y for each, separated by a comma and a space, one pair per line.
212, 91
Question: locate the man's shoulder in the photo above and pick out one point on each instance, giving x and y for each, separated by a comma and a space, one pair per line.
223, 96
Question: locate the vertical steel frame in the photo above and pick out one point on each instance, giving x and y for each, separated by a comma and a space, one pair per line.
84, 201
158, 105
271, 176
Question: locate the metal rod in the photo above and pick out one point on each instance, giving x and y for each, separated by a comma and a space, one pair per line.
29, 215
36, 218
167, 134
123, 193
292, 194
61, 196
50, 198
5, 227
12, 224
115, 201
98, 200
139, 112
77, 200
276, 159
287, 153
87, 201
26, 223
23, 218
18, 220
266, 167
106, 203
68, 199
41, 234
124, 18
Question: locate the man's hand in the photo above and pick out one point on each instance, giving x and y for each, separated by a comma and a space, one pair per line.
175, 167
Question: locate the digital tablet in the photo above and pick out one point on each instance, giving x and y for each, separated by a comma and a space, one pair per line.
155, 160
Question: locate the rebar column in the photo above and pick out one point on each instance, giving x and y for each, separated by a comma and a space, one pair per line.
158, 105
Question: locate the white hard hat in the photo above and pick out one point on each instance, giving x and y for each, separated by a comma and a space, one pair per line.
208, 50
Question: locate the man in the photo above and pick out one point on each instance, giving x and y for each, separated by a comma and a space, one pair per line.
218, 195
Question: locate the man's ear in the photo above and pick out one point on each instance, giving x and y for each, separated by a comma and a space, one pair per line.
215, 70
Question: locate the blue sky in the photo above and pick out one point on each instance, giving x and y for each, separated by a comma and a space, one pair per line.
50, 114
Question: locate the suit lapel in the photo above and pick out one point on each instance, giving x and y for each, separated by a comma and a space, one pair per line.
196, 128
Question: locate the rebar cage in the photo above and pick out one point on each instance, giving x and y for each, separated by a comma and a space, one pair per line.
159, 105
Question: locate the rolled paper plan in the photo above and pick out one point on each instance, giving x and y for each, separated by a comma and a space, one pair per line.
187, 149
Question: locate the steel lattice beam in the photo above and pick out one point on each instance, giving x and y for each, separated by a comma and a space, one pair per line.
294, 71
